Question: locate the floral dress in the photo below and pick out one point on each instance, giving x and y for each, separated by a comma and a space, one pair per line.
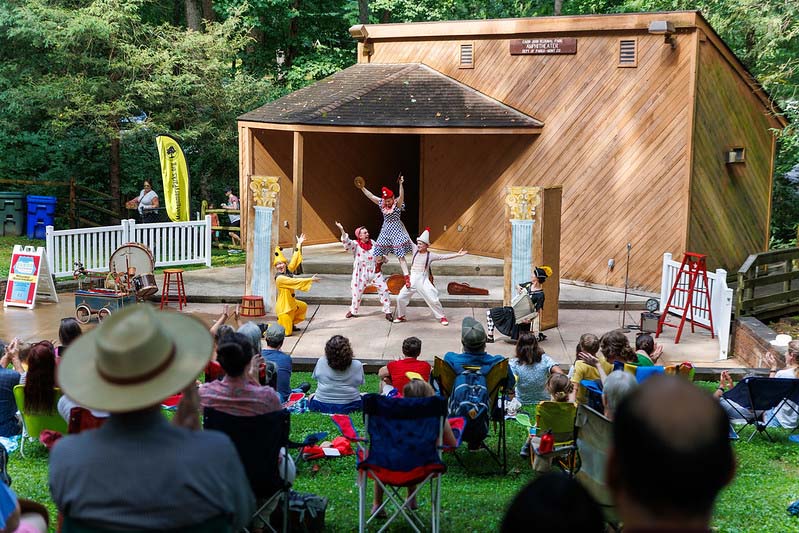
393, 238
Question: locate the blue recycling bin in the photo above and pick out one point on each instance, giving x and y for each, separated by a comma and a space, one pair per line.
41, 213
12, 213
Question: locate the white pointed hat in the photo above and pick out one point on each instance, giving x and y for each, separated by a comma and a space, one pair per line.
424, 237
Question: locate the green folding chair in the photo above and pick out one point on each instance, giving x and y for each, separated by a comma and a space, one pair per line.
557, 417
32, 424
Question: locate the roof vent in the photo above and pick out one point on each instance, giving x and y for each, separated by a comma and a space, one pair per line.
628, 52
467, 55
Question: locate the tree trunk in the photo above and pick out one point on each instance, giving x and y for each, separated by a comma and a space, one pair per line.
558, 7
208, 10
193, 15
363, 11
294, 29
113, 175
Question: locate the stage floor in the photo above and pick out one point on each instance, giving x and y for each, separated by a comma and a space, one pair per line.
374, 339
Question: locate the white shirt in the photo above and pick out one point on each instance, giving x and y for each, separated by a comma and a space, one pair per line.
146, 200
786, 416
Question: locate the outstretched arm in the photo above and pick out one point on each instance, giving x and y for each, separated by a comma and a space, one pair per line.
349, 245
444, 257
401, 197
371, 196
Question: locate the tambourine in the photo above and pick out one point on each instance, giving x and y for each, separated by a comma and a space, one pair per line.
360, 182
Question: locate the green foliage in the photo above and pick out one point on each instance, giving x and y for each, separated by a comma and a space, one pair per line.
73, 74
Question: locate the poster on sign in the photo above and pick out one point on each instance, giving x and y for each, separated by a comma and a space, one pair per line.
28, 277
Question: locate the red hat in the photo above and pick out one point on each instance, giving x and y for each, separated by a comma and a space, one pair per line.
387, 193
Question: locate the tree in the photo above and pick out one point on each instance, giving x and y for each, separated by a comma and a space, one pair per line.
81, 71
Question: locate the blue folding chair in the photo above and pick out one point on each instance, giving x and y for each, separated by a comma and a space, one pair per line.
403, 449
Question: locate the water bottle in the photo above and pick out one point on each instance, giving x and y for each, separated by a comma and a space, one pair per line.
547, 443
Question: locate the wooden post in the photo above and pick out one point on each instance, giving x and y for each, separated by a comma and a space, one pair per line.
297, 169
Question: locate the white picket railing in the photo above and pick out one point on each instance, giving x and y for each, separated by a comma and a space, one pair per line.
721, 298
171, 243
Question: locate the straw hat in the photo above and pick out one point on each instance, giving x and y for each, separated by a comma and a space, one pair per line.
135, 359
782, 340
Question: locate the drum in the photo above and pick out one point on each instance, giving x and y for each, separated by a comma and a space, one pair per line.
132, 257
523, 310
144, 285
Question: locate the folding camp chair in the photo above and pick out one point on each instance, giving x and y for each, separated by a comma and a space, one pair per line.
444, 376
757, 396
33, 425
593, 437
258, 440
557, 417
404, 449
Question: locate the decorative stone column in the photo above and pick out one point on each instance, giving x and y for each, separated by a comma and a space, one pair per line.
521, 204
532, 238
265, 191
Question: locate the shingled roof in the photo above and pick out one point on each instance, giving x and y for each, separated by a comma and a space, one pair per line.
409, 95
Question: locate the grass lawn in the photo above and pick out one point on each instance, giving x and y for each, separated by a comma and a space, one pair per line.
219, 258
766, 482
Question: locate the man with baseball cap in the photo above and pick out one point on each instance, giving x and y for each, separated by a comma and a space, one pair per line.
137, 471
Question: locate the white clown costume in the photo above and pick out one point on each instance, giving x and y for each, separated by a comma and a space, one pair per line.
420, 281
365, 273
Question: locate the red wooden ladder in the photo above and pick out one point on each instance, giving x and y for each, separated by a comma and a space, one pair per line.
694, 266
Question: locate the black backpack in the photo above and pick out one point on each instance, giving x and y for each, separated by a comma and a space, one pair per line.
470, 400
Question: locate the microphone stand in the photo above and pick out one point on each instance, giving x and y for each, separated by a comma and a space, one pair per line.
624, 315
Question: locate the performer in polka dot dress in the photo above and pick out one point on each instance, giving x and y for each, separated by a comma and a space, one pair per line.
365, 270
393, 238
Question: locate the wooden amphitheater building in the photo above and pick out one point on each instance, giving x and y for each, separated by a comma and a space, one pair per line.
656, 132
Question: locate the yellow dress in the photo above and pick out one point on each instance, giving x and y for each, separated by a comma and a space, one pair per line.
288, 309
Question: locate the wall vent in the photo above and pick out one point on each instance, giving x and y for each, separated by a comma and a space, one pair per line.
466, 55
628, 52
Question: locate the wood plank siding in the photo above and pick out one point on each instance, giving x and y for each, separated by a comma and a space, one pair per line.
729, 215
614, 139
638, 151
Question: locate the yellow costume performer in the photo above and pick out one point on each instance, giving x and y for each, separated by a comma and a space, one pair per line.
288, 309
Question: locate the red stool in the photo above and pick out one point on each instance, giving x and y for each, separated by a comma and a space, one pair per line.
173, 289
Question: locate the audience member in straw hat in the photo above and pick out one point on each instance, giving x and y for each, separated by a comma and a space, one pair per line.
137, 471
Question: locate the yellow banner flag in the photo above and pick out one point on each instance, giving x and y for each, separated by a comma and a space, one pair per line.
176, 178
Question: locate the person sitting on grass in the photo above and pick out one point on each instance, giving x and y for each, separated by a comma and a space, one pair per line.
274, 336
238, 393
785, 415
647, 350
9, 378
662, 432
68, 331
415, 388
532, 368
394, 374
588, 346
615, 348
338, 377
